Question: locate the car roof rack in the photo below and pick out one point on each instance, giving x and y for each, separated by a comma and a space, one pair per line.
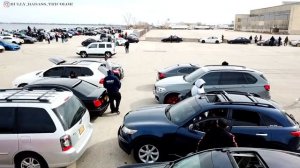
241, 66
247, 103
31, 97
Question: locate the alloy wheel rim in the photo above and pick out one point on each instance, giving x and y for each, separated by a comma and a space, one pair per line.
30, 163
148, 153
172, 100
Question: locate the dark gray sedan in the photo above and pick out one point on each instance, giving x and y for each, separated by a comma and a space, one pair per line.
231, 158
177, 70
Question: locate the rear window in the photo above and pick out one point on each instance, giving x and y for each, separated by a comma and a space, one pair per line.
85, 88
262, 76
70, 112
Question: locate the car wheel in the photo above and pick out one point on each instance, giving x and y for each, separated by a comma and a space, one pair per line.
203, 41
29, 160
147, 152
108, 54
217, 42
1, 50
172, 99
83, 55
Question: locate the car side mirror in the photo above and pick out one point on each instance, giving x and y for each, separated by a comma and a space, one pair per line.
191, 127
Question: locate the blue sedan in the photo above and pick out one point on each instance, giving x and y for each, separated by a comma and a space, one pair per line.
9, 46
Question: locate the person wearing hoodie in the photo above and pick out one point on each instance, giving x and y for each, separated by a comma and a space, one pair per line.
113, 85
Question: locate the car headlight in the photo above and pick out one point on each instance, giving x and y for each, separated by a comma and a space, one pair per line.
128, 131
160, 89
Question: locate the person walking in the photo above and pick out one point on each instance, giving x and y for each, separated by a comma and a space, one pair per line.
255, 39
222, 38
217, 137
62, 37
260, 37
286, 40
250, 38
126, 46
56, 37
279, 41
113, 85
272, 41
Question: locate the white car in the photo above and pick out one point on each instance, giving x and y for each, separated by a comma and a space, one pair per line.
295, 43
2, 49
120, 41
91, 72
211, 39
97, 48
12, 39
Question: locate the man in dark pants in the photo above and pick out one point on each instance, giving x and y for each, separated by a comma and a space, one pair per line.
217, 137
126, 46
112, 85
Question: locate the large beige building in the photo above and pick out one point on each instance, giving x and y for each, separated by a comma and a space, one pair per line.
278, 19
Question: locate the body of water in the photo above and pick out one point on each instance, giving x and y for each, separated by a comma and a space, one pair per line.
21, 26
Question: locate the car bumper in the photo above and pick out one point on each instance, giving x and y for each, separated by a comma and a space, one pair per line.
100, 110
124, 141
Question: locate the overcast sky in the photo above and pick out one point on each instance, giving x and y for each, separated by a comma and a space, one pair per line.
113, 11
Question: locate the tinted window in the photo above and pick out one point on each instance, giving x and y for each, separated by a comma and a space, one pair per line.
196, 161
7, 120
250, 79
269, 121
108, 45
232, 78
70, 112
58, 71
101, 45
211, 78
192, 77
93, 46
76, 70
34, 120
185, 70
85, 88
86, 71
245, 118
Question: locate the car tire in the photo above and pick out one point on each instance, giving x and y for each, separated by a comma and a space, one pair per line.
217, 42
172, 98
83, 54
147, 152
108, 54
203, 41
28, 160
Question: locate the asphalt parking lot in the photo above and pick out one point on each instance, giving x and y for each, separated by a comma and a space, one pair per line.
279, 64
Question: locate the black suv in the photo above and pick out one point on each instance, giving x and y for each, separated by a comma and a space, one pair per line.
155, 132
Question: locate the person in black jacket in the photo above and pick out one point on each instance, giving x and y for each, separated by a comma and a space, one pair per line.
217, 137
113, 85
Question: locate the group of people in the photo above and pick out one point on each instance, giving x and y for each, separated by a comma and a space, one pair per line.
273, 41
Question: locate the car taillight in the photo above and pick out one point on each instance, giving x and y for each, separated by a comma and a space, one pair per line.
101, 81
161, 75
296, 133
65, 142
97, 103
267, 87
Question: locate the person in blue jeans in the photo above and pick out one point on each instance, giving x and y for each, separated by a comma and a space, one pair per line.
113, 85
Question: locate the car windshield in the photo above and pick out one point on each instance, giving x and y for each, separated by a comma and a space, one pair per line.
194, 75
183, 110
70, 112
85, 88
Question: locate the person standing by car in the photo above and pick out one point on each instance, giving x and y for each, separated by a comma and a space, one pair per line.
126, 46
250, 38
260, 37
113, 85
286, 40
279, 41
255, 39
217, 137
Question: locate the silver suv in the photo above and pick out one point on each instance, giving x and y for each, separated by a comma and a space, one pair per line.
217, 77
42, 128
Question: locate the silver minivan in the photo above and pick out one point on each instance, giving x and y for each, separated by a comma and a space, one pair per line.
42, 128
217, 78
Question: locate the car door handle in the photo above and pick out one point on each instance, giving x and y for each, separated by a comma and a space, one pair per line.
261, 134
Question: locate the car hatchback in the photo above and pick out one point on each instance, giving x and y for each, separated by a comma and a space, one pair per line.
217, 78
42, 128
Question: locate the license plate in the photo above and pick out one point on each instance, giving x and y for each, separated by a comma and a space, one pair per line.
81, 129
